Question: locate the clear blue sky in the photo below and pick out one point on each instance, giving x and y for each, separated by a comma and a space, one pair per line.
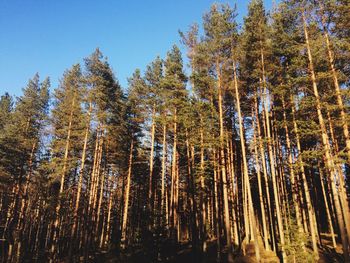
48, 36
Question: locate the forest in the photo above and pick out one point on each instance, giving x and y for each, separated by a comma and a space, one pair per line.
240, 155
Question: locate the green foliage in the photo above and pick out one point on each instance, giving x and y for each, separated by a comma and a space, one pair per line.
68, 117
21, 134
294, 248
105, 91
6, 107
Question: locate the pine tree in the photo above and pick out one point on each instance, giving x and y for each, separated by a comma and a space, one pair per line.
19, 144
219, 26
68, 125
173, 86
6, 106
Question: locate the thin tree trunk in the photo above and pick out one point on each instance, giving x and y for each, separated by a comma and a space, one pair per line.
261, 199
64, 170
174, 185
310, 209
245, 165
267, 188
151, 158
202, 199
80, 180
325, 142
127, 195
272, 162
329, 218
291, 169
223, 165
100, 203
216, 201
336, 82
344, 122
163, 169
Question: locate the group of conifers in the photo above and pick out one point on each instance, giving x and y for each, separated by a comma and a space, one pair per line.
250, 147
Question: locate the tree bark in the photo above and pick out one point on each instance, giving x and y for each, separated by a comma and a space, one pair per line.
326, 146
127, 196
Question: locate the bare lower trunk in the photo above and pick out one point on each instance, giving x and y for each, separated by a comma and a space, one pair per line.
163, 169
272, 163
127, 196
326, 146
245, 166
64, 170
223, 166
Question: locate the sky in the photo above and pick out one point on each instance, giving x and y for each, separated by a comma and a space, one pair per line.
49, 36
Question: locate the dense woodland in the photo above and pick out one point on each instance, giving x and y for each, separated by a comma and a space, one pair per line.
242, 153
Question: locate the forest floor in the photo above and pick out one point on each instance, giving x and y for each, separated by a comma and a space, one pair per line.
184, 253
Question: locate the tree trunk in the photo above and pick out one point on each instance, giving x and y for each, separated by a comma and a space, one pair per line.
151, 158
291, 169
80, 180
245, 165
127, 195
261, 199
64, 170
163, 170
223, 165
325, 142
272, 163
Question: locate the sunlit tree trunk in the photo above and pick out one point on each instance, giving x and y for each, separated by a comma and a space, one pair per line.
174, 178
266, 179
151, 158
245, 165
325, 142
335, 82
202, 200
127, 196
64, 170
294, 186
80, 180
272, 162
222, 162
216, 201
329, 218
261, 199
163, 169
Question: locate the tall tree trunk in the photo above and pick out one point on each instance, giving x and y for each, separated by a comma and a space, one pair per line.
174, 179
163, 170
94, 167
326, 145
272, 162
329, 218
343, 197
80, 181
309, 206
202, 199
223, 165
97, 176
151, 158
266, 179
127, 196
294, 186
100, 203
335, 82
64, 170
342, 189
261, 199
216, 201
245, 165
234, 195
108, 221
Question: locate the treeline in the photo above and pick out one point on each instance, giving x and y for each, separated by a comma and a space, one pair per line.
252, 148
